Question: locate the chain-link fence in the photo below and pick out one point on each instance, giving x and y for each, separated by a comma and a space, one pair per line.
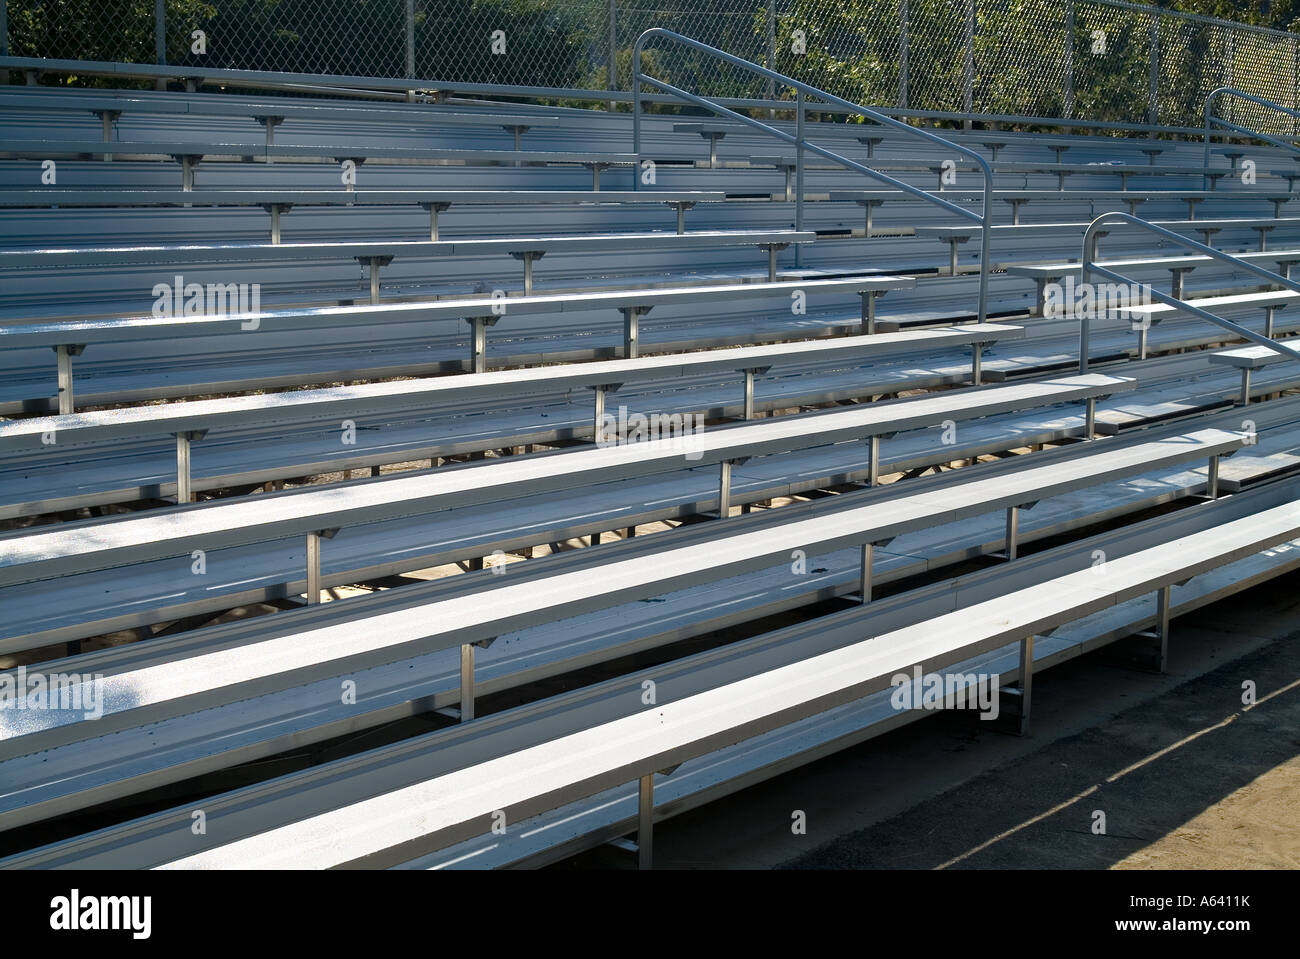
1093, 60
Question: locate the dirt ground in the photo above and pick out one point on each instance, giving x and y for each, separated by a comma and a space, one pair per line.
1185, 774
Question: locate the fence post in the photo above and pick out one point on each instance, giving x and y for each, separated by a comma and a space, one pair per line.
4, 37
160, 30
1153, 111
903, 17
1069, 59
771, 53
968, 94
160, 38
1232, 74
611, 69
410, 38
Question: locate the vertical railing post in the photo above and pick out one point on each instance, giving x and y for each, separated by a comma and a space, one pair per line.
636, 113
798, 170
903, 17
1069, 59
410, 38
1153, 109
1090, 241
1205, 156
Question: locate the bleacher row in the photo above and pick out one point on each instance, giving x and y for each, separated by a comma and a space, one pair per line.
466, 302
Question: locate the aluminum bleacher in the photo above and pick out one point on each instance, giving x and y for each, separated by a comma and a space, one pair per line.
591, 429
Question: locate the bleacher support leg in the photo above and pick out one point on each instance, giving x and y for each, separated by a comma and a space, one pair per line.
631, 331
313, 569
1040, 295
466, 682
276, 210
645, 822
528, 273
1090, 419
869, 311
478, 360
270, 123
188, 163
724, 489
750, 373
1013, 532
64, 353
598, 417
478, 341
977, 364
107, 118
1212, 480
313, 563
1162, 624
184, 489
864, 573
183, 493
1177, 281
1245, 387
1269, 313
873, 465
1026, 684
1160, 657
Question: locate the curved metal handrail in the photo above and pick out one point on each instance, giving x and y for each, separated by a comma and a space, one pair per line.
1088, 263
800, 142
1210, 118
